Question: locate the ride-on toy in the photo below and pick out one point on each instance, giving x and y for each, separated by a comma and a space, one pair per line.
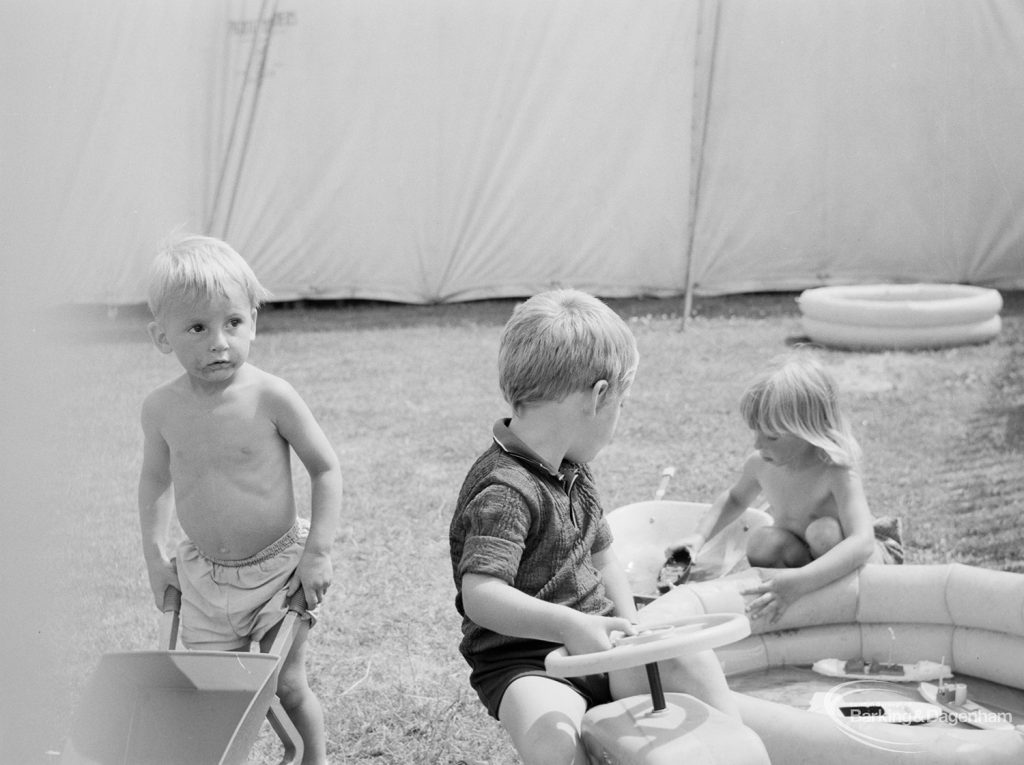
663, 728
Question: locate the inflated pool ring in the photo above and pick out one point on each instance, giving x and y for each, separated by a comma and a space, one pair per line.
967, 617
901, 315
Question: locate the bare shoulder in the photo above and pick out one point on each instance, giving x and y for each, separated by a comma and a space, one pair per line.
162, 400
268, 383
275, 392
842, 476
751, 480
754, 465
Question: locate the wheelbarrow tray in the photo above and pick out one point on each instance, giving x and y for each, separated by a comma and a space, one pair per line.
187, 707
171, 707
643, 529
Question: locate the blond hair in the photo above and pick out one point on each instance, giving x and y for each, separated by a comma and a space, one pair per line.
192, 267
798, 396
560, 342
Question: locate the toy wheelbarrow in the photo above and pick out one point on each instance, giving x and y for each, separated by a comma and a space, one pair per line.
183, 707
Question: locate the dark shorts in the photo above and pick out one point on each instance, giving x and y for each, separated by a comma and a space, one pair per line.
492, 673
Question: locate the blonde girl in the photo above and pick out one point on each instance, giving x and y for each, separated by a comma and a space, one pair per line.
805, 463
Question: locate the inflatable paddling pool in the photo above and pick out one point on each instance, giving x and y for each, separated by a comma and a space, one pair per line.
968, 618
876, 316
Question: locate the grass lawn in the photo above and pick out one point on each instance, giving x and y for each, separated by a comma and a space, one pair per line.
408, 394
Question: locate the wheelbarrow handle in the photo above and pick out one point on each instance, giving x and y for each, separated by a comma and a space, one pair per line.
297, 601
172, 600
286, 632
666, 476
169, 619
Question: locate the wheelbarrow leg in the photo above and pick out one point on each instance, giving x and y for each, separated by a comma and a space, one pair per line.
286, 731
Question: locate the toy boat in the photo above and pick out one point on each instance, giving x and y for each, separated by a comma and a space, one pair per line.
675, 571
967, 618
860, 669
952, 697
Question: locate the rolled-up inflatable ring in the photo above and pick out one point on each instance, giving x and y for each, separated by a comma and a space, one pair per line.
901, 315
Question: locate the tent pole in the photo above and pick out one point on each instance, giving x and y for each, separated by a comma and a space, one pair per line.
706, 47
252, 113
229, 150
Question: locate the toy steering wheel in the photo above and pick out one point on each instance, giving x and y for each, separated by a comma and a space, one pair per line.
653, 643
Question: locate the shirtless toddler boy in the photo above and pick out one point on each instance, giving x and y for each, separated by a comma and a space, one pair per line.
217, 452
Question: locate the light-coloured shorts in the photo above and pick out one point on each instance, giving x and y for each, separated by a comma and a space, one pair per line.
225, 605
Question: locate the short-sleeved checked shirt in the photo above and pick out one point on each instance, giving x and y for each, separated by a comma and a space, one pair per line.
537, 529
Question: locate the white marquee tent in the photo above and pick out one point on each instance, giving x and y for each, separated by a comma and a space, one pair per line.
446, 150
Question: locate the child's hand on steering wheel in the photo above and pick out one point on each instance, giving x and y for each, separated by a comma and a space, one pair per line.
590, 633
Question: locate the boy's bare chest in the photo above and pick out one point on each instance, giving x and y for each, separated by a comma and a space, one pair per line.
220, 436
